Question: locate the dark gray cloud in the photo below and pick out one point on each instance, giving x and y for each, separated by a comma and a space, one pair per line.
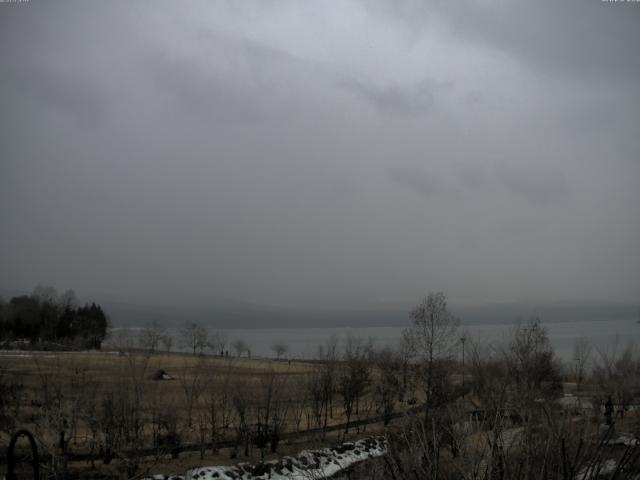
394, 100
192, 89
67, 92
586, 40
472, 177
416, 179
538, 187
313, 153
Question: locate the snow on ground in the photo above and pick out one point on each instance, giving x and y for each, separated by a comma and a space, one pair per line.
575, 403
626, 439
603, 469
307, 465
52, 353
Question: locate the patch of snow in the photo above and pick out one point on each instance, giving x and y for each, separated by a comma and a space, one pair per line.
308, 464
606, 468
623, 439
575, 403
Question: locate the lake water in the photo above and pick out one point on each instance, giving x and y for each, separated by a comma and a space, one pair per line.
604, 335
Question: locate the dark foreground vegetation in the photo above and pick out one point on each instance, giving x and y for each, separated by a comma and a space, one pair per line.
46, 320
450, 408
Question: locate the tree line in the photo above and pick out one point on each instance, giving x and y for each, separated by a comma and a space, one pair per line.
45, 319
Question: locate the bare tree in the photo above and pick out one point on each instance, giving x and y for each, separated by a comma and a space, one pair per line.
280, 349
218, 405
581, 356
323, 383
388, 382
299, 399
11, 398
122, 417
240, 401
191, 381
62, 392
508, 385
270, 411
433, 336
194, 336
240, 346
217, 343
68, 299
354, 377
120, 339
616, 372
530, 360
405, 354
45, 293
150, 337
167, 342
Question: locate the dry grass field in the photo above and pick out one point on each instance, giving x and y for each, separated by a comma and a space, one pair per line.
115, 408
129, 414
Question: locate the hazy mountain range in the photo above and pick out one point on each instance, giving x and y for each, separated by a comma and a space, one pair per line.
232, 313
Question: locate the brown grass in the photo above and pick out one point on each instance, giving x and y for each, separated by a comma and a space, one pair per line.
87, 377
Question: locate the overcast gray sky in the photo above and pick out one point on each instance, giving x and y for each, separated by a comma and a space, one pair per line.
314, 153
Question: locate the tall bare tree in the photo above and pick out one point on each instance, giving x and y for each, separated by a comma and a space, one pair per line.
269, 411
240, 346
388, 381
530, 360
323, 382
581, 356
194, 336
280, 349
150, 336
218, 404
167, 342
354, 376
217, 343
242, 410
433, 336
191, 381
616, 372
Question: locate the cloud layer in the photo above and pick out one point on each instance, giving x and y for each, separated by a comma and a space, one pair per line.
314, 153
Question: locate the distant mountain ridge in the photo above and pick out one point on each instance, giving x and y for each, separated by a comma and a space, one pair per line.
231, 313
241, 315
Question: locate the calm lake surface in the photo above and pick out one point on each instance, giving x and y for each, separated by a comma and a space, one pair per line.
604, 335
